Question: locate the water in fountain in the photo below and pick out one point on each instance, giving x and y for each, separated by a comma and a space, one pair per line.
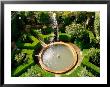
58, 57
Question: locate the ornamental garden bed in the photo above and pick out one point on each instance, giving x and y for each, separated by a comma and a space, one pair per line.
24, 63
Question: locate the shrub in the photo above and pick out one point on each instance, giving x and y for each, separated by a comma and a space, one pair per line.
19, 58
75, 30
83, 41
36, 71
94, 55
80, 71
92, 68
28, 45
21, 69
81, 17
27, 62
25, 38
87, 53
64, 18
64, 37
44, 18
97, 24
46, 30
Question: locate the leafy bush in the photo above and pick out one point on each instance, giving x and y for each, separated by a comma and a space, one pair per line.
81, 36
64, 17
22, 68
19, 58
86, 62
28, 45
25, 38
97, 23
94, 55
75, 29
80, 71
83, 41
36, 71
92, 68
81, 17
46, 30
26, 63
64, 37
43, 18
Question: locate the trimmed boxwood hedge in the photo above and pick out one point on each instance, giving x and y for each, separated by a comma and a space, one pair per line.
65, 37
91, 67
36, 71
22, 68
62, 36
28, 45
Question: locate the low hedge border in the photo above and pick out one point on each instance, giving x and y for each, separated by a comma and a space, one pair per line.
91, 67
62, 36
36, 71
22, 68
28, 45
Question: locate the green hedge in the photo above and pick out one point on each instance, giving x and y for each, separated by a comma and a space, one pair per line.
22, 68
64, 37
80, 71
36, 71
28, 45
91, 67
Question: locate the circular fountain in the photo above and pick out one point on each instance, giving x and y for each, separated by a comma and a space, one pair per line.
59, 57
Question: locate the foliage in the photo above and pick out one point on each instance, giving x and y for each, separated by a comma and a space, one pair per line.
64, 37
36, 71
80, 35
97, 26
15, 27
94, 55
64, 17
75, 29
86, 62
28, 45
26, 63
19, 58
80, 71
81, 17
92, 68
43, 18
46, 30
25, 38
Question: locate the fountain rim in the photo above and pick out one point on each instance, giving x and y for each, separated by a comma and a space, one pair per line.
75, 56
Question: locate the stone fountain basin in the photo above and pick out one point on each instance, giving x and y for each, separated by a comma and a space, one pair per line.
60, 57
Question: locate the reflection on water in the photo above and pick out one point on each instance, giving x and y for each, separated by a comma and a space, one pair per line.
57, 57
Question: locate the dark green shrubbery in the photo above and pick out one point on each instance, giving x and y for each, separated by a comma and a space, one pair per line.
81, 17
94, 56
80, 35
64, 37
25, 38
46, 30
22, 61
19, 58
43, 18
87, 54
